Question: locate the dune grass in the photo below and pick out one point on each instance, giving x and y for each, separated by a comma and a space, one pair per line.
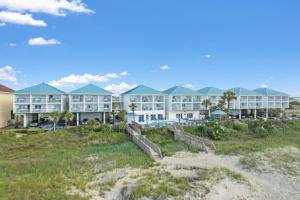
46, 165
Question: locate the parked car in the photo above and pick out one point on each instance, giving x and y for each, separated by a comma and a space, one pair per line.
34, 124
84, 121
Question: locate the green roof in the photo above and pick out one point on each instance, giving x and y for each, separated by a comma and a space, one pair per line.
244, 92
269, 92
42, 88
179, 90
142, 89
211, 91
90, 89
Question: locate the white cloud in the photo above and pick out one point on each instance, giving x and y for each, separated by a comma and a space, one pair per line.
39, 41
70, 81
207, 56
53, 7
264, 86
165, 67
2, 24
118, 89
123, 73
12, 44
18, 18
8, 73
189, 85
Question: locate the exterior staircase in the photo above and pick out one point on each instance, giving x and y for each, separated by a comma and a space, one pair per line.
203, 144
145, 144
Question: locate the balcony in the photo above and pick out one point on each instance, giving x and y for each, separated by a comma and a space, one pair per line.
187, 99
176, 99
22, 110
135, 98
77, 99
38, 100
147, 107
159, 106
187, 106
22, 100
147, 99
159, 99
197, 99
176, 106
91, 99
91, 108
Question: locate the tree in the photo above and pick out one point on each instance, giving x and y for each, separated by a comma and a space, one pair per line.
68, 116
133, 106
228, 97
206, 103
122, 114
54, 117
221, 104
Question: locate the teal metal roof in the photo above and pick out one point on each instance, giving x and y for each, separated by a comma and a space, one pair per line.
90, 89
269, 92
211, 91
42, 88
244, 92
179, 90
218, 112
142, 89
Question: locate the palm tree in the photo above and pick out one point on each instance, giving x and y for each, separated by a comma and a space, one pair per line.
133, 106
221, 104
122, 114
68, 116
206, 103
54, 117
228, 97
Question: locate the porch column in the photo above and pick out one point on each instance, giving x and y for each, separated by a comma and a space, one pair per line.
255, 113
77, 119
240, 114
104, 121
24, 120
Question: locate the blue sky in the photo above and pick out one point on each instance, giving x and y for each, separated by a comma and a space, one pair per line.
119, 44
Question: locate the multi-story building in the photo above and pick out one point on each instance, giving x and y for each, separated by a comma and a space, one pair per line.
90, 102
272, 99
211, 93
31, 102
150, 104
6, 106
182, 104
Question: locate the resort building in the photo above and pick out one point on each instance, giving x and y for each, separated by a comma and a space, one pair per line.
31, 102
149, 103
272, 99
6, 106
212, 93
183, 104
90, 102
247, 102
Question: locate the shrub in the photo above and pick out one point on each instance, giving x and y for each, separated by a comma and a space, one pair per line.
261, 128
213, 130
229, 124
239, 126
25, 131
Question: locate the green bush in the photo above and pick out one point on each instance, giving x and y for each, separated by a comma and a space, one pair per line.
261, 128
229, 124
239, 126
213, 130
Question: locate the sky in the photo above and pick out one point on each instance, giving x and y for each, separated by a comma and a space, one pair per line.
159, 43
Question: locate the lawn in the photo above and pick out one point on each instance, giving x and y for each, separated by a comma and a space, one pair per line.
166, 142
46, 165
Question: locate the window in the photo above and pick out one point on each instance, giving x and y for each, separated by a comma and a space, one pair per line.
160, 117
197, 98
91, 98
176, 98
159, 98
135, 98
179, 116
153, 117
147, 106
187, 106
190, 115
147, 99
77, 98
159, 106
187, 99
141, 118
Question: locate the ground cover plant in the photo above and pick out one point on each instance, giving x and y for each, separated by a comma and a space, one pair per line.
45, 165
166, 141
254, 136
